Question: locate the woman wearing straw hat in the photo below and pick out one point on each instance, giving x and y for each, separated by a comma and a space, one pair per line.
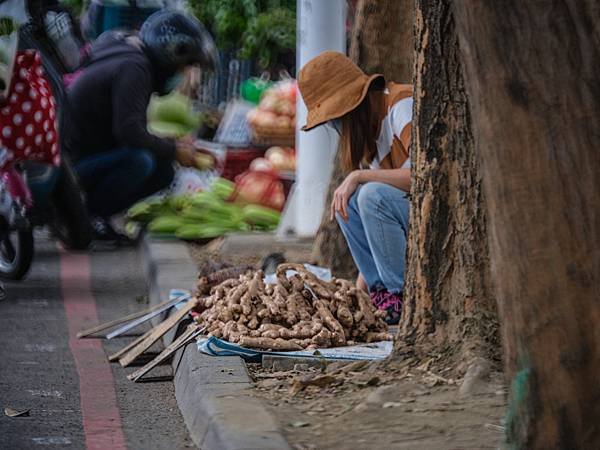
371, 205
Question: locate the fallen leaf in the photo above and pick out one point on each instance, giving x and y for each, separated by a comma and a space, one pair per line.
425, 366
370, 381
432, 379
270, 383
344, 410
320, 381
10, 412
392, 404
356, 366
299, 424
373, 381
272, 375
498, 428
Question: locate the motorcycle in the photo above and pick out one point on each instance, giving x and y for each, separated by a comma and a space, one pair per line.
34, 194
16, 235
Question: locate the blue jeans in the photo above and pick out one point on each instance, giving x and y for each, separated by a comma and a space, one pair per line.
376, 233
116, 179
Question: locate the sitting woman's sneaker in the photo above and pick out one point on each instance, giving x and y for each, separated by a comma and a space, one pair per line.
390, 303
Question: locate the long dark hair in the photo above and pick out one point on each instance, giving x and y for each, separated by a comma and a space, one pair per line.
359, 132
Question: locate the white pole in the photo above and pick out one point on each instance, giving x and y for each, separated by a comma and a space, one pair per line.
321, 26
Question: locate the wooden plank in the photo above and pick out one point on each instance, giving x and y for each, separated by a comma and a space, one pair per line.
191, 333
116, 356
157, 333
119, 321
146, 317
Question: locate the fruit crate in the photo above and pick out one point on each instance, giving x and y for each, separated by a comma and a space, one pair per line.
238, 160
267, 136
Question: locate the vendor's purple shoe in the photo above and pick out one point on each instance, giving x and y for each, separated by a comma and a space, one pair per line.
390, 303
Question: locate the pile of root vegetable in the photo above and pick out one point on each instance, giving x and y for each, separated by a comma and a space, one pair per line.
295, 313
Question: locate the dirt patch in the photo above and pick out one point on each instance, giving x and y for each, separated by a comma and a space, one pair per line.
387, 406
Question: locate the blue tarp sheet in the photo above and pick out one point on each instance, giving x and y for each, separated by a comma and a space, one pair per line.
376, 350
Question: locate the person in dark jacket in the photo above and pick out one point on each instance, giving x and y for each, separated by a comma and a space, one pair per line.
117, 160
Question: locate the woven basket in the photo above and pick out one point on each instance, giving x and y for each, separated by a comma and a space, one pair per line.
285, 137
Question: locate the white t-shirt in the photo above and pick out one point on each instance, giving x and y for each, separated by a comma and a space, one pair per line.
399, 116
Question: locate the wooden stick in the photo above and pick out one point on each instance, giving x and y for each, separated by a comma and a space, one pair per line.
146, 317
157, 333
119, 321
129, 346
192, 332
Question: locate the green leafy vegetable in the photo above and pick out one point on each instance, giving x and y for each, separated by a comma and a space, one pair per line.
268, 35
261, 29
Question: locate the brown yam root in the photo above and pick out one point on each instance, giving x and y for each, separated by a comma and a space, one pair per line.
255, 287
300, 312
343, 285
302, 330
205, 284
338, 338
267, 343
320, 288
323, 338
365, 306
379, 336
270, 303
343, 311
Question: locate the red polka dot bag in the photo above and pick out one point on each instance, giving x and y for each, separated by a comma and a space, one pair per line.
28, 129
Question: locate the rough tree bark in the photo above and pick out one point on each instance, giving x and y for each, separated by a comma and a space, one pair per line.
382, 38
448, 300
330, 248
381, 42
534, 83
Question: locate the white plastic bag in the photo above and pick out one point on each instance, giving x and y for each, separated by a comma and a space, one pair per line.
189, 180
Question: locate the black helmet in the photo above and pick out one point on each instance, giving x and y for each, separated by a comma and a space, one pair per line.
175, 40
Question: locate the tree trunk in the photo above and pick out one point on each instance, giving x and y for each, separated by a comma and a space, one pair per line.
448, 300
330, 248
377, 24
382, 38
534, 82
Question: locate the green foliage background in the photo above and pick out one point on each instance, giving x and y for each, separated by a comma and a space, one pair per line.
257, 29
261, 29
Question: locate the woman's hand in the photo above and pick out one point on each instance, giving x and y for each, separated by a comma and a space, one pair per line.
342, 195
186, 152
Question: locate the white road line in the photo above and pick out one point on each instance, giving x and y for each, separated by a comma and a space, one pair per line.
52, 440
41, 348
42, 393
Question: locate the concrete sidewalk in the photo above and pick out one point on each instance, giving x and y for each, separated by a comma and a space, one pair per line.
213, 393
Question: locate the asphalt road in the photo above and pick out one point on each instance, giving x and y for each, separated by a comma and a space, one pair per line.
76, 399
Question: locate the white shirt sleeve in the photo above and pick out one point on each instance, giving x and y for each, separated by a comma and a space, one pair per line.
401, 115
397, 118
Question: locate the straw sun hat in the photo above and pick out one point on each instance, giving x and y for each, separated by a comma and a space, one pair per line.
331, 86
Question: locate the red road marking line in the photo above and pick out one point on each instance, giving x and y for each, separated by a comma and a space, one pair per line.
101, 419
